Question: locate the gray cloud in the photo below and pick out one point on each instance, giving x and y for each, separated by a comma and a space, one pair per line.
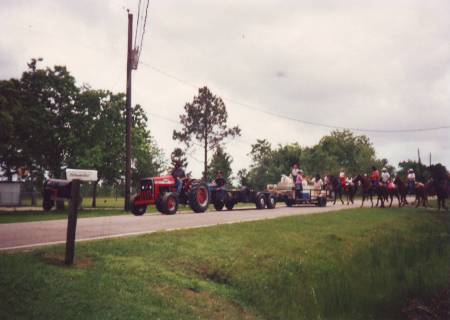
371, 64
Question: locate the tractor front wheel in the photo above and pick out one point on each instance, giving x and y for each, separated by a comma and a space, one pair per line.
138, 210
229, 205
199, 197
169, 203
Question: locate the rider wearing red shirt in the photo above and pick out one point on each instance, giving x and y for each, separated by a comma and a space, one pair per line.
375, 177
342, 178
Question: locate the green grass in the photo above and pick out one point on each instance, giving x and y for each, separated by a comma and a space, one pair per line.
357, 264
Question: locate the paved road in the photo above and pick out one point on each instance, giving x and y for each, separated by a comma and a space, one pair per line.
27, 235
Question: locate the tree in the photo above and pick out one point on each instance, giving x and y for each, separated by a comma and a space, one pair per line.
420, 170
205, 121
178, 156
220, 161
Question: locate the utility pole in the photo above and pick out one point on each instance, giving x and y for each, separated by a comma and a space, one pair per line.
128, 114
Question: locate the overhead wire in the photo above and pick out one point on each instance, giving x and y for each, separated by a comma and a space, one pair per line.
137, 23
290, 118
143, 32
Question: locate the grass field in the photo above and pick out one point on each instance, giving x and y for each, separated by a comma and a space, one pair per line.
357, 264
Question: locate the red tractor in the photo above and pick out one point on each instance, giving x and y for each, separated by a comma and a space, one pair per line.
162, 192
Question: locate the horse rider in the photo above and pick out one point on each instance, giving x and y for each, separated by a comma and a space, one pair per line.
375, 177
299, 184
411, 177
385, 176
318, 184
342, 178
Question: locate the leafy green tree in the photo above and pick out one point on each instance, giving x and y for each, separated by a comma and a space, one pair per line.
421, 171
11, 111
205, 120
178, 155
220, 161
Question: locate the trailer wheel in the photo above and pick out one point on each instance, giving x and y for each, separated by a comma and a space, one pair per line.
229, 205
289, 202
260, 201
169, 203
199, 197
271, 202
47, 202
218, 205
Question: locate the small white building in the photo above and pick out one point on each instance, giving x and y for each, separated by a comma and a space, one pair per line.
9, 193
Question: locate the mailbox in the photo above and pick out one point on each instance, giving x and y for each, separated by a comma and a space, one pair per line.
55, 189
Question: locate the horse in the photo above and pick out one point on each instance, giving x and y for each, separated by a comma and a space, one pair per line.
422, 191
350, 190
369, 190
402, 190
333, 184
393, 191
440, 184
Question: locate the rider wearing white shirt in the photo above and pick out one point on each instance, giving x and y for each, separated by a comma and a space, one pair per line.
385, 176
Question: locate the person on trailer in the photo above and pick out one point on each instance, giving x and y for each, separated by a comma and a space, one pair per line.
294, 172
411, 181
299, 184
179, 175
375, 177
385, 176
318, 184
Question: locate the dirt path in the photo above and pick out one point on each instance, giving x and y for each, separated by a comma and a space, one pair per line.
27, 235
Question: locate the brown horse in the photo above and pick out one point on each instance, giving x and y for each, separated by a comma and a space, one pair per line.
350, 190
368, 190
402, 190
440, 184
392, 191
422, 192
333, 184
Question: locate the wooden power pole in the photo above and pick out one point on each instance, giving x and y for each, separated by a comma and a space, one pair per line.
128, 115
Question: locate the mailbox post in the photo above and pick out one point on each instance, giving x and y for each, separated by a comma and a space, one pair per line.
76, 176
72, 222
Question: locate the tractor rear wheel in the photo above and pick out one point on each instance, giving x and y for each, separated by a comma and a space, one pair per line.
271, 202
199, 197
169, 203
260, 201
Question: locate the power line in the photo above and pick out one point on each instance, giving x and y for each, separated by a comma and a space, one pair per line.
143, 31
290, 118
137, 22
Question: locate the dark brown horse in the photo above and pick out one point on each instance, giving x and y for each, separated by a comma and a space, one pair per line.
402, 190
350, 190
422, 192
392, 191
333, 184
440, 184
368, 190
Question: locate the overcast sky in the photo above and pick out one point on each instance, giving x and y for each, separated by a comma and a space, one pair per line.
360, 64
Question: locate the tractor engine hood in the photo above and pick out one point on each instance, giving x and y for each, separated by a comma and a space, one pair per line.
165, 180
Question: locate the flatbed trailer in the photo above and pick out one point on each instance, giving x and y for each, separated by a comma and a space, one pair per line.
307, 197
221, 197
